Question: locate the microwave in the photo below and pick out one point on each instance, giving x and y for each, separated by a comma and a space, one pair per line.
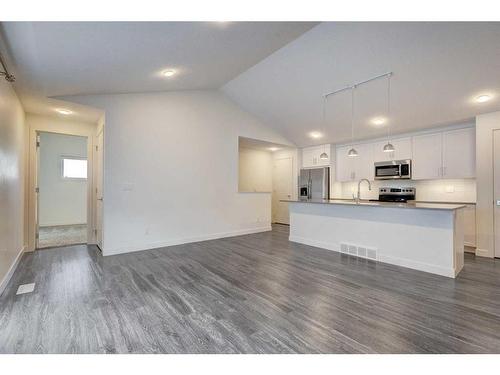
392, 170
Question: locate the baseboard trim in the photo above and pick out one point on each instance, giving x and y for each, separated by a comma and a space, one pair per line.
10, 272
60, 225
181, 241
415, 265
483, 253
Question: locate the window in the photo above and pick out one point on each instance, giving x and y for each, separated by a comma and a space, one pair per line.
74, 168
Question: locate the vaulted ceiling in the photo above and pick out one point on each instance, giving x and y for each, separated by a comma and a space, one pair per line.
439, 69
52, 59
277, 71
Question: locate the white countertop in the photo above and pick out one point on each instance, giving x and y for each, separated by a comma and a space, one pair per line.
367, 203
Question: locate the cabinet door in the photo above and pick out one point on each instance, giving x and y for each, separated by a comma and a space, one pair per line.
402, 150
307, 158
363, 163
318, 151
427, 158
470, 225
344, 165
379, 154
459, 153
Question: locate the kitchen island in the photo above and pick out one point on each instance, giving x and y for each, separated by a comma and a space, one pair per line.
423, 236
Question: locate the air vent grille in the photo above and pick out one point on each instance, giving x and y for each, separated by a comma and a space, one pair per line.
359, 251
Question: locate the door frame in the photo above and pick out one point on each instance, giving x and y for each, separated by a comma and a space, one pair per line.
97, 171
66, 128
496, 243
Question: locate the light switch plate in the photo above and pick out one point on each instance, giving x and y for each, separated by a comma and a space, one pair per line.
25, 288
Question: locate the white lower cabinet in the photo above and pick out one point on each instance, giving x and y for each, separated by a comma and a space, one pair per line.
470, 225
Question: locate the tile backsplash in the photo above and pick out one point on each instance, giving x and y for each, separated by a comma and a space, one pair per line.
462, 190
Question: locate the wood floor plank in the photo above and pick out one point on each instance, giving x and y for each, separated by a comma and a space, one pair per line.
256, 293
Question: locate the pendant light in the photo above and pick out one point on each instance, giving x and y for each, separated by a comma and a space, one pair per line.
324, 155
352, 152
388, 147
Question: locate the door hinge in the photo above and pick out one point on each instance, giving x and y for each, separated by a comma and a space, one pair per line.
37, 190
37, 235
37, 141
96, 147
95, 232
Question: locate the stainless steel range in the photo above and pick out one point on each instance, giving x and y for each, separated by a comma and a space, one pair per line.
396, 194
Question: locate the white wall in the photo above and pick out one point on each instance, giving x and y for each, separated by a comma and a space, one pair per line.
460, 190
255, 170
485, 229
171, 169
12, 167
62, 201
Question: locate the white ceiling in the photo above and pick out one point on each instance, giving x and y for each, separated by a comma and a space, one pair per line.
439, 68
257, 144
52, 59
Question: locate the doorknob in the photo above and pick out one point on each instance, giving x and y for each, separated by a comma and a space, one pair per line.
99, 199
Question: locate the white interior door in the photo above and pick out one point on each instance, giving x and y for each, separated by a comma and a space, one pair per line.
99, 187
282, 189
496, 189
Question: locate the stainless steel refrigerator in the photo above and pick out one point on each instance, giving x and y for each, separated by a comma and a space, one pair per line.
314, 183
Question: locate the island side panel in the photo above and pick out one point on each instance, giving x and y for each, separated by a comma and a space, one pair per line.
420, 239
458, 239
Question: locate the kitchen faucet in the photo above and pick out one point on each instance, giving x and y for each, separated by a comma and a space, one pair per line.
359, 188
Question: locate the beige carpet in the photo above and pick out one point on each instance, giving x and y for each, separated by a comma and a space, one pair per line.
62, 235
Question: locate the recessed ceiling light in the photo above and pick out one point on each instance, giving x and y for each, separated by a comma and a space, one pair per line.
273, 149
168, 73
378, 121
63, 111
483, 98
315, 135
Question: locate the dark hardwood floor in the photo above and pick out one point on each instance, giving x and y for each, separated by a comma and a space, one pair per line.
257, 293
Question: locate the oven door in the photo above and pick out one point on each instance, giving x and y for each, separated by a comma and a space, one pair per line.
385, 171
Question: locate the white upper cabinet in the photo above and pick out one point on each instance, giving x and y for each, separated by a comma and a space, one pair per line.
449, 154
445, 154
344, 165
307, 157
354, 168
402, 150
459, 153
311, 156
427, 156
363, 163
